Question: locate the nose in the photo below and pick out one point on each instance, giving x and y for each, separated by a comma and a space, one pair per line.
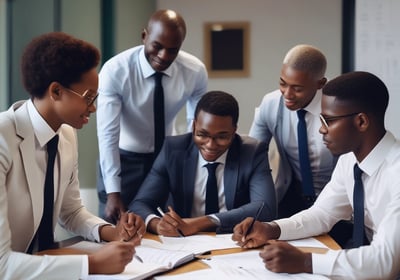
211, 143
323, 130
287, 92
163, 54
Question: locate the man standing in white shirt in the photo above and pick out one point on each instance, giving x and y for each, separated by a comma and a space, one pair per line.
352, 117
125, 116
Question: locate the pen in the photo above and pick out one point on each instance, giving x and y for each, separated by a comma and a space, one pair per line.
163, 214
138, 258
255, 219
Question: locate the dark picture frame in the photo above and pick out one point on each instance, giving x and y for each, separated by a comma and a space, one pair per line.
226, 46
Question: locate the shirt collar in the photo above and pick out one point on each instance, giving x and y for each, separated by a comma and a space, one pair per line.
221, 159
314, 107
41, 128
378, 154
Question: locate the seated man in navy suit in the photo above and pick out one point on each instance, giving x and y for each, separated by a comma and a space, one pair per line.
243, 175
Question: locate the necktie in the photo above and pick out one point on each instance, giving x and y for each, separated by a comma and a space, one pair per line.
212, 205
305, 167
158, 106
358, 204
45, 231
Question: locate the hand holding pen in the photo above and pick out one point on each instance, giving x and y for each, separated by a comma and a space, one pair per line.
131, 228
172, 219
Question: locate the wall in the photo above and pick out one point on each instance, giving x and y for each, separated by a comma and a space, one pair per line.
276, 26
3, 56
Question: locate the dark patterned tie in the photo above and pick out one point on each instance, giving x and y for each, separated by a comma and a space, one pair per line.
358, 204
305, 166
45, 231
212, 204
159, 117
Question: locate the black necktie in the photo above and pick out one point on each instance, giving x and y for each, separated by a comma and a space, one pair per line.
159, 122
212, 204
358, 204
45, 231
305, 167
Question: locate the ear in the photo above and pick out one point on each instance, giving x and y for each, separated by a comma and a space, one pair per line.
322, 82
144, 35
54, 90
363, 121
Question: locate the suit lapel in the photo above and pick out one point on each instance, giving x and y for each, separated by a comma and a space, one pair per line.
189, 174
231, 172
35, 182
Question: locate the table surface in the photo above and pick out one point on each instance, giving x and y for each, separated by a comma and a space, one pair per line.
195, 264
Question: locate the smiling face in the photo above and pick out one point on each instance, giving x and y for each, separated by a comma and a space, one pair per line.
161, 44
212, 134
71, 108
298, 87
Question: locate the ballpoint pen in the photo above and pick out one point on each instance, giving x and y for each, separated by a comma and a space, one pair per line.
255, 219
163, 214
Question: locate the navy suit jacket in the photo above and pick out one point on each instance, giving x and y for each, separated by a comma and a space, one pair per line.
247, 181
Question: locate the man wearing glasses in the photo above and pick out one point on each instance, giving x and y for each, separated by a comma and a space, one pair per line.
365, 184
243, 177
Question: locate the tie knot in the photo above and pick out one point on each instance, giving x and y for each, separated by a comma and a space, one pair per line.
52, 144
158, 76
357, 172
211, 167
301, 113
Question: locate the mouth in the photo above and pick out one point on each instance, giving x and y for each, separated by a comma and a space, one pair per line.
85, 118
207, 154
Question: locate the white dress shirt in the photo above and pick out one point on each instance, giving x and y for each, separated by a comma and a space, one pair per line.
44, 133
381, 180
125, 105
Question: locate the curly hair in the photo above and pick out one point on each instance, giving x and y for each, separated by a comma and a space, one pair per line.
56, 57
219, 103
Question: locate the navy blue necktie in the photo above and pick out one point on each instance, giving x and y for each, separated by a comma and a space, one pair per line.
45, 231
305, 166
159, 118
212, 204
358, 204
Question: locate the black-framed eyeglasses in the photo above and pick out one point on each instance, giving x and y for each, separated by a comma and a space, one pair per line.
325, 120
89, 95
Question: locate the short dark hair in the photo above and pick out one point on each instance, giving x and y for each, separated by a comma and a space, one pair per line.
56, 57
363, 89
219, 103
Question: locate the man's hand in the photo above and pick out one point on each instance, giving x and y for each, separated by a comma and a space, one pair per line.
114, 207
260, 234
170, 224
130, 228
111, 258
280, 256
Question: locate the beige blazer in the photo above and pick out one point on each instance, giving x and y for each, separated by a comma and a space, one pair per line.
21, 199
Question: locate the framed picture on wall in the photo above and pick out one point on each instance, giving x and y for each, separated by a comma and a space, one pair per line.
226, 46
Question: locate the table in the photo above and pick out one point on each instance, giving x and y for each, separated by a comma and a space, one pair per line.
197, 264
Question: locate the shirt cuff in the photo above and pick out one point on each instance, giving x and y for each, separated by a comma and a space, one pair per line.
112, 185
323, 263
149, 218
214, 219
96, 233
85, 268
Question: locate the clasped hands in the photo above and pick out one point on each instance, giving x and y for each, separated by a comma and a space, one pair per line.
278, 256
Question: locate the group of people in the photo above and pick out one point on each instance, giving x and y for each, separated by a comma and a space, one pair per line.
209, 179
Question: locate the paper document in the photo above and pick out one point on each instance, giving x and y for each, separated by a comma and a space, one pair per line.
238, 266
